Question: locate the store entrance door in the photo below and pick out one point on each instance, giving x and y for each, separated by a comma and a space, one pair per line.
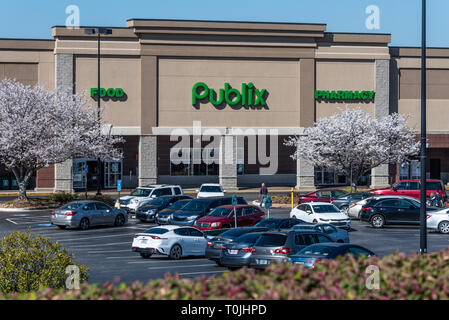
435, 168
85, 179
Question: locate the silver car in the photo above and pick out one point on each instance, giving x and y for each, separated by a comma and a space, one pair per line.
84, 214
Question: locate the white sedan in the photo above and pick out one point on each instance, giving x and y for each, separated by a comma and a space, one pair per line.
438, 220
208, 190
172, 241
316, 212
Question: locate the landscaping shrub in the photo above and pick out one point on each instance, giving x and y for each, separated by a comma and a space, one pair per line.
29, 262
400, 277
63, 197
103, 198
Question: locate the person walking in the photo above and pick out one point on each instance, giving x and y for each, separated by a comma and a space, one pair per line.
263, 192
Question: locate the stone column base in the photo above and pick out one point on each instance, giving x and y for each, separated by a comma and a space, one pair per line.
380, 177
147, 160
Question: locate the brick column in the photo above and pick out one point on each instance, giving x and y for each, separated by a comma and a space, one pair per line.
63, 79
147, 160
228, 162
379, 175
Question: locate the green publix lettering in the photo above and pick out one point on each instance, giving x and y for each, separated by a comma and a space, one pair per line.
248, 96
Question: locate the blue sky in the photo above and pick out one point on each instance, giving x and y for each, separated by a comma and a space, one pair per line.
401, 18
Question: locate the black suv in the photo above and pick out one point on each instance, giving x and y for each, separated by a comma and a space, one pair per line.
198, 208
380, 211
148, 211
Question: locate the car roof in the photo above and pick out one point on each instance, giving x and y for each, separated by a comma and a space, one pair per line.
417, 180
392, 196
154, 186
170, 227
211, 184
317, 203
237, 206
214, 198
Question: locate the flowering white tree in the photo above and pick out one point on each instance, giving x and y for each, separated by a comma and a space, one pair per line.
353, 143
39, 127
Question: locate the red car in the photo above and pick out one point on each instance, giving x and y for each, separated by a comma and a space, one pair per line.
325, 195
223, 217
412, 188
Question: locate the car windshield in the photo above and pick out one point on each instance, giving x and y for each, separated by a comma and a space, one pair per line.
250, 238
195, 205
233, 233
268, 223
325, 208
138, 192
71, 206
159, 201
271, 240
220, 212
179, 204
433, 186
156, 231
316, 251
210, 189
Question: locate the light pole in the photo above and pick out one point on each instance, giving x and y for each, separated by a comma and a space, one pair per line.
423, 222
98, 31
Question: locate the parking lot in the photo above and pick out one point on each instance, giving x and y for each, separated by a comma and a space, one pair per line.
107, 250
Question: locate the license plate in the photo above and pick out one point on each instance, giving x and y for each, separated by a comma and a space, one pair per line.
299, 262
233, 251
262, 261
143, 241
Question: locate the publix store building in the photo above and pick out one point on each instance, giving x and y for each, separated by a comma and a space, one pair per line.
168, 86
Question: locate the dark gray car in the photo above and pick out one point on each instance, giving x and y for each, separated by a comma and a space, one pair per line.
278, 246
84, 214
213, 246
237, 253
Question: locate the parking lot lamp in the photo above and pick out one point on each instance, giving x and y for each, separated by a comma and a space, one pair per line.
98, 31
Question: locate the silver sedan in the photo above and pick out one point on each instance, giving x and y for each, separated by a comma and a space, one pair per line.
84, 214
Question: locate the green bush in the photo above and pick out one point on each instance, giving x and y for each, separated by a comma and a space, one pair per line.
63, 197
28, 263
400, 277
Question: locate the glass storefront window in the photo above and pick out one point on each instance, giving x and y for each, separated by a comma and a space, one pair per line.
410, 170
193, 162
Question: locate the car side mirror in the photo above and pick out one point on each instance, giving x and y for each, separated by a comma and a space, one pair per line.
309, 212
153, 196
394, 189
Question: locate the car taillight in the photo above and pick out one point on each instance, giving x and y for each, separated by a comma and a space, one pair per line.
209, 243
249, 249
428, 216
223, 249
283, 251
70, 213
366, 209
332, 201
52, 213
157, 238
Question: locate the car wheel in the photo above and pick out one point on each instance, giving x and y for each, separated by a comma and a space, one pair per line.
175, 252
84, 224
443, 227
377, 221
119, 220
345, 210
145, 255
62, 227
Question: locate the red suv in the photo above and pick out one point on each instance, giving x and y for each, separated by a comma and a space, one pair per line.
412, 188
223, 217
325, 195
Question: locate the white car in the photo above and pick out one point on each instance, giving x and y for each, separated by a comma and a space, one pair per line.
316, 212
438, 220
356, 207
172, 241
208, 190
143, 194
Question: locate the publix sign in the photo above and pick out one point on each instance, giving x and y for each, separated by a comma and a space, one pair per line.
248, 95
111, 92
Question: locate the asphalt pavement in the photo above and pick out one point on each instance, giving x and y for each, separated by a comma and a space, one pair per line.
107, 250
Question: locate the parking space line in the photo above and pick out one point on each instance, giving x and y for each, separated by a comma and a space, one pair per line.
109, 251
11, 221
101, 245
98, 237
152, 261
183, 266
80, 232
188, 273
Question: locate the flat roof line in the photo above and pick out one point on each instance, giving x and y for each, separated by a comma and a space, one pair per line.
228, 21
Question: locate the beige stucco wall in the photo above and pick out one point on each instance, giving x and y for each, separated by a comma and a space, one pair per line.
279, 77
120, 72
343, 75
28, 67
437, 114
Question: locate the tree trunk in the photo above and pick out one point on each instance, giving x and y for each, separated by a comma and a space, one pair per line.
22, 182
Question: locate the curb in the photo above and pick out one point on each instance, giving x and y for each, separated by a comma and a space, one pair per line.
24, 209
